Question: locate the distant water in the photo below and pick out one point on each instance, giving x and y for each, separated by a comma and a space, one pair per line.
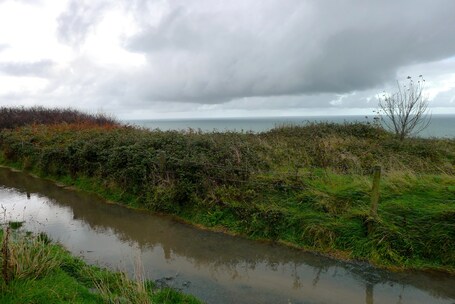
442, 125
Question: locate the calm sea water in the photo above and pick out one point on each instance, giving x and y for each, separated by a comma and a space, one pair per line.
440, 126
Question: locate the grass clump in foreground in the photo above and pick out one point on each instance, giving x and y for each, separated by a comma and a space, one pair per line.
308, 186
35, 270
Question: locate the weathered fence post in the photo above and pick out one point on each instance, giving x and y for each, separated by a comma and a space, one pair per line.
374, 198
375, 191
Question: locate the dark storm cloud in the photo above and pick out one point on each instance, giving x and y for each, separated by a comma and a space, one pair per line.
249, 55
39, 69
209, 53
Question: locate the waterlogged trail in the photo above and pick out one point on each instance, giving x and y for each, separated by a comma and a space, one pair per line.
214, 267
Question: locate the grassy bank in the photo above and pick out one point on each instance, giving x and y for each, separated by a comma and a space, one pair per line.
308, 186
38, 271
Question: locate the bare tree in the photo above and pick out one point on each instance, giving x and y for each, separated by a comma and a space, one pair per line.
405, 112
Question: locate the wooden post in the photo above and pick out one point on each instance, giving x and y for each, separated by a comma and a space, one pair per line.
375, 192
369, 296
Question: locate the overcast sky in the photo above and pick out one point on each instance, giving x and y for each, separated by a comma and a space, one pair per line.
213, 58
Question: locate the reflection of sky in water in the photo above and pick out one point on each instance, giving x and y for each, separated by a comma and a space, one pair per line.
220, 268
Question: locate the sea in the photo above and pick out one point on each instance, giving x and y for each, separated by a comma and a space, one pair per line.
441, 125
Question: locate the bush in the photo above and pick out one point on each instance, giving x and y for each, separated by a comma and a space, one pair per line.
137, 161
14, 117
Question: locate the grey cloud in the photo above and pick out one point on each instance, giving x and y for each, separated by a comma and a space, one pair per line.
364, 100
87, 85
251, 55
78, 19
3, 47
39, 68
200, 53
444, 99
31, 2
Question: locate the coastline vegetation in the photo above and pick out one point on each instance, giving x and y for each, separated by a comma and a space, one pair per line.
35, 270
307, 186
13, 117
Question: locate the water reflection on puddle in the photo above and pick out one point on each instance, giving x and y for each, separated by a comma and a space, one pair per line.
214, 267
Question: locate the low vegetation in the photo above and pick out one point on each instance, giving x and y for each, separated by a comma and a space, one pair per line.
20, 116
34, 270
307, 186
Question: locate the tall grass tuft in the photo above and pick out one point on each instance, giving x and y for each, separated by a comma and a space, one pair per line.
121, 289
31, 257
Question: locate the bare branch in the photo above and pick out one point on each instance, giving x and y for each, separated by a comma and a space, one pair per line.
405, 112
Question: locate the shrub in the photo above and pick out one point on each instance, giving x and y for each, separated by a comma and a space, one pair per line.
13, 117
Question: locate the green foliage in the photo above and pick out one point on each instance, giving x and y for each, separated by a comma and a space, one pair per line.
354, 148
57, 287
29, 257
137, 161
169, 296
306, 185
15, 224
72, 281
13, 117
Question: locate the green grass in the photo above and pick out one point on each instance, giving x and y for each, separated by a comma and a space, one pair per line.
57, 287
306, 186
15, 224
415, 228
43, 272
